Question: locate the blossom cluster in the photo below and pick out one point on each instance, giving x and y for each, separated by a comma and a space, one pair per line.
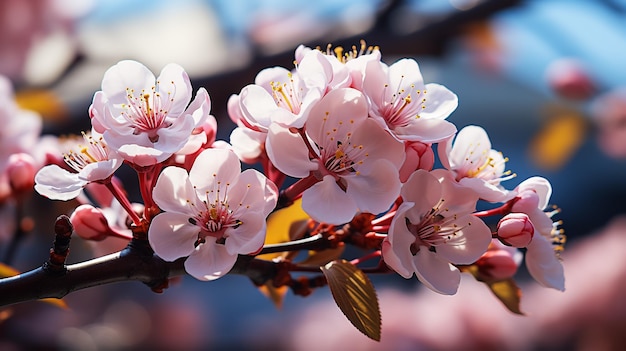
351, 133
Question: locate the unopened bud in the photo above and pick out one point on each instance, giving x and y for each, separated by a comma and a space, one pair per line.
515, 229
89, 223
418, 156
499, 262
21, 173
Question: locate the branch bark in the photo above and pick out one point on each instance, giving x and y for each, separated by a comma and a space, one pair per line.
131, 263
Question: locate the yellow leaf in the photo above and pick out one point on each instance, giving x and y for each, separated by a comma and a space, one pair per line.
285, 225
355, 295
509, 293
7, 271
276, 295
55, 302
558, 139
45, 102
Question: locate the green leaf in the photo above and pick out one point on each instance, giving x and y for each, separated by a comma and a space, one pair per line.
509, 293
355, 295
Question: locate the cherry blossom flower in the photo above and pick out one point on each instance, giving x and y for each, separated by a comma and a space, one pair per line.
285, 97
91, 161
144, 121
353, 161
433, 230
212, 214
475, 164
542, 254
405, 106
20, 128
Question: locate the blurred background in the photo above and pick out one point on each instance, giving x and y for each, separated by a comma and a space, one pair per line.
545, 78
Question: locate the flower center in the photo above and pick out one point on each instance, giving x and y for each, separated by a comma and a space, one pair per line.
487, 165
287, 95
147, 111
400, 110
215, 214
340, 156
434, 229
345, 56
93, 151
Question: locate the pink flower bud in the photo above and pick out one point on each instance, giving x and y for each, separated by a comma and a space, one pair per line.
497, 263
515, 229
526, 201
21, 173
418, 156
89, 223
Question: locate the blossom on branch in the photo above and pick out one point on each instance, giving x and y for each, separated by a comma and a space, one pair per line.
433, 230
211, 214
147, 120
90, 161
475, 164
542, 254
353, 160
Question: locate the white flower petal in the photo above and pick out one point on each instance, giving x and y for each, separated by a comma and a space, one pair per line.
172, 236
248, 237
423, 189
210, 261
440, 102
214, 165
173, 190
124, 75
174, 88
56, 183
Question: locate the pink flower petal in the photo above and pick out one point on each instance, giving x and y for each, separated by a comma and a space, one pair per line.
543, 265
375, 189
435, 273
288, 152
325, 201
469, 243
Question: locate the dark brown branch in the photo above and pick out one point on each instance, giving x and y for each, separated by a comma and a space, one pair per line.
128, 264
134, 263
